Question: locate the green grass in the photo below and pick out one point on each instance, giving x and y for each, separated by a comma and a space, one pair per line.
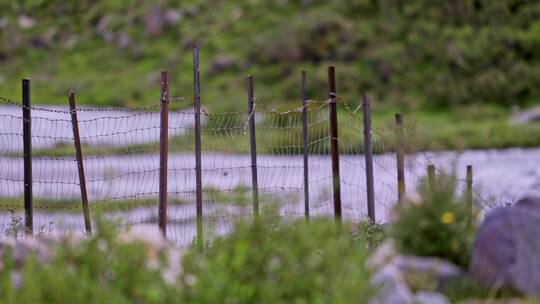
447, 73
239, 195
75, 206
416, 54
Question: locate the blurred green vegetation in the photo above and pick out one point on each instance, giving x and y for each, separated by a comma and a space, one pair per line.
415, 54
268, 261
47, 205
448, 65
273, 261
100, 269
440, 224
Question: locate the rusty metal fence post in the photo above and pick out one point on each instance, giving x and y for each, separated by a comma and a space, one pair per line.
198, 161
334, 141
253, 146
79, 157
305, 143
163, 152
368, 155
27, 155
431, 177
400, 157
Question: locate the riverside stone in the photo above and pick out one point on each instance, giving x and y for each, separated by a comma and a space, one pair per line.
506, 248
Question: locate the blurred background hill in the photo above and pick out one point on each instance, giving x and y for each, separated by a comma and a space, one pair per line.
416, 54
458, 69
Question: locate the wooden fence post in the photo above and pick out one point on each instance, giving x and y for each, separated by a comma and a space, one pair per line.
198, 161
163, 153
368, 153
334, 141
27, 155
431, 177
469, 193
80, 166
400, 157
253, 146
303, 92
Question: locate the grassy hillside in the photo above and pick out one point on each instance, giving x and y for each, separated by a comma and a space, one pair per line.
458, 66
417, 54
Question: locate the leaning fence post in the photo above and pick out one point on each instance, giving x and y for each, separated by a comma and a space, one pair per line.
253, 146
431, 177
163, 152
27, 154
305, 144
334, 141
368, 153
80, 167
469, 193
400, 157
198, 161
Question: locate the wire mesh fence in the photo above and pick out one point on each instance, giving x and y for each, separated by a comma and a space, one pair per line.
121, 157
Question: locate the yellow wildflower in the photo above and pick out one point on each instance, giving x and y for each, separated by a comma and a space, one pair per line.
448, 217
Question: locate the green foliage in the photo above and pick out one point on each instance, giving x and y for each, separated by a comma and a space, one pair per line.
411, 53
438, 226
373, 233
273, 262
463, 288
97, 270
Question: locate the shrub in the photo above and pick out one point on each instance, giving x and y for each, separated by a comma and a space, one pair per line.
439, 226
272, 262
373, 233
97, 270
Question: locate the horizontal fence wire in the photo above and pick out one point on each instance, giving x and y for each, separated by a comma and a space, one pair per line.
120, 149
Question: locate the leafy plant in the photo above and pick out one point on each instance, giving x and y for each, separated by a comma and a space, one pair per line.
273, 262
97, 270
437, 226
373, 233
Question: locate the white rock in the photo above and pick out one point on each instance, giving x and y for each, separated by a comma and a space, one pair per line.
25, 22
435, 267
383, 255
28, 245
147, 234
393, 289
425, 297
174, 267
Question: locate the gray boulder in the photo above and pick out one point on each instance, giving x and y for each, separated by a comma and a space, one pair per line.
524, 117
507, 247
426, 273
391, 286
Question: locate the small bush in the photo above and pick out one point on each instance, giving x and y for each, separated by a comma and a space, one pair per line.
438, 226
272, 262
373, 233
97, 270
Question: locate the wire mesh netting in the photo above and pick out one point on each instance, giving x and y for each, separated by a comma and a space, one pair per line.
120, 149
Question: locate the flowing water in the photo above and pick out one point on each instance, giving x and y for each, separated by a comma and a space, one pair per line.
500, 176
